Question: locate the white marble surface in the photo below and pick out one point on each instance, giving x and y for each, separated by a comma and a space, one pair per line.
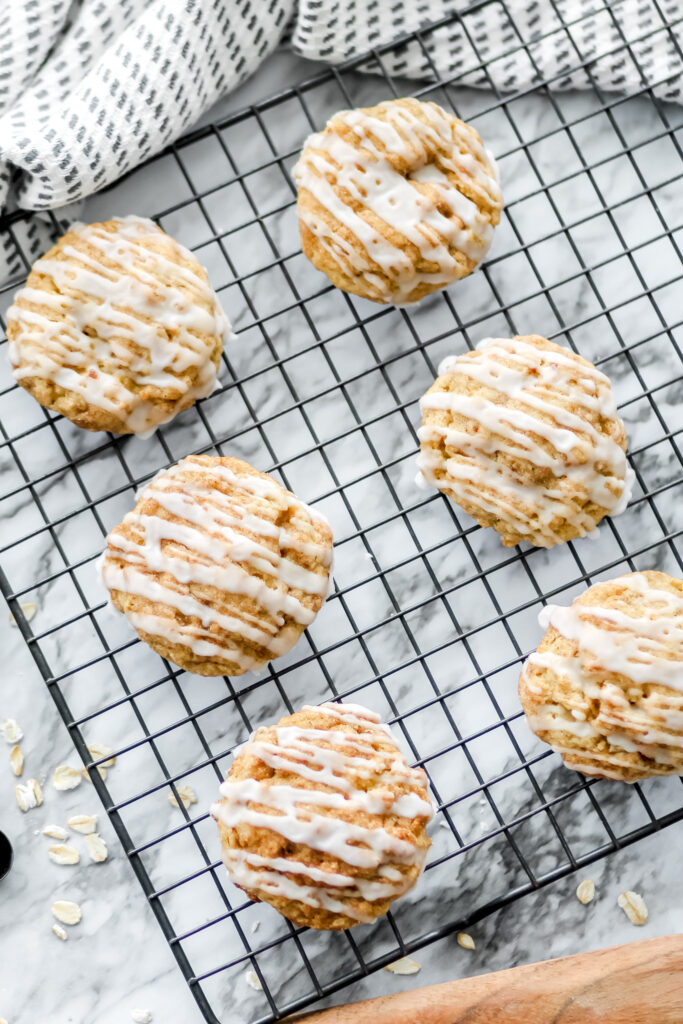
116, 958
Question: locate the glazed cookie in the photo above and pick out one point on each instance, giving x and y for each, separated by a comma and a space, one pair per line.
321, 817
218, 568
605, 687
396, 201
524, 435
117, 328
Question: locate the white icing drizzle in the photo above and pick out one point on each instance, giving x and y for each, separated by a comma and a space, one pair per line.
204, 543
638, 647
154, 319
334, 758
271, 874
337, 172
536, 378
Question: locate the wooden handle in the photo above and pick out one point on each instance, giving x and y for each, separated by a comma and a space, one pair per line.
639, 983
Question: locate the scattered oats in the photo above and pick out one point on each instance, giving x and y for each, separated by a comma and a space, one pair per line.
186, 794
66, 777
29, 608
97, 848
252, 980
83, 823
29, 796
60, 932
585, 891
66, 911
62, 853
633, 906
465, 940
11, 730
86, 774
55, 832
141, 1016
404, 966
16, 759
98, 750
255, 926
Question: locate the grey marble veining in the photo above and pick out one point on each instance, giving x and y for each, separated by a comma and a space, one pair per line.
409, 587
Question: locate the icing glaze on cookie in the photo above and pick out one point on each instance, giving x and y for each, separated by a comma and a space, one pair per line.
124, 320
645, 648
545, 383
337, 759
351, 167
196, 534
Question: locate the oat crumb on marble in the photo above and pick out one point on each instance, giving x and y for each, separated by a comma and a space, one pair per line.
97, 848
255, 926
11, 730
404, 966
60, 932
141, 1016
83, 823
29, 796
585, 891
633, 905
29, 608
186, 794
55, 832
16, 760
86, 774
66, 911
66, 777
465, 940
62, 853
100, 750
252, 980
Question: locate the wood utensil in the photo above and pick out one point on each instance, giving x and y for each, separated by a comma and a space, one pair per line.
638, 983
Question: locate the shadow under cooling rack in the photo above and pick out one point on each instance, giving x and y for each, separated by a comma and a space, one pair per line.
430, 617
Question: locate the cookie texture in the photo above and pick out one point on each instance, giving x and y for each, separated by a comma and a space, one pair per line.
218, 568
321, 817
605, 687
397, 200
117, 327
524, 435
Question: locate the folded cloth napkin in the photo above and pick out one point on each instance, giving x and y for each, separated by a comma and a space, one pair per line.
91, 88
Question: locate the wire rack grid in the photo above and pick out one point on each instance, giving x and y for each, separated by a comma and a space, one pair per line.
430, 617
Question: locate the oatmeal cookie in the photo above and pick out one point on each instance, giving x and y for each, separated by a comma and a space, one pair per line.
524, 435
605, 687
396, 201
321, 817
218, 568
117, 328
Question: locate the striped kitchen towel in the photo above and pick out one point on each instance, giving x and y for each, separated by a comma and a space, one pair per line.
90, 89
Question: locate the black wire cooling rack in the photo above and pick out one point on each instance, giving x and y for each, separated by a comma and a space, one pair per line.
430, 617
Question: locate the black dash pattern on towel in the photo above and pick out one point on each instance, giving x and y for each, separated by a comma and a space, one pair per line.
89, 89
